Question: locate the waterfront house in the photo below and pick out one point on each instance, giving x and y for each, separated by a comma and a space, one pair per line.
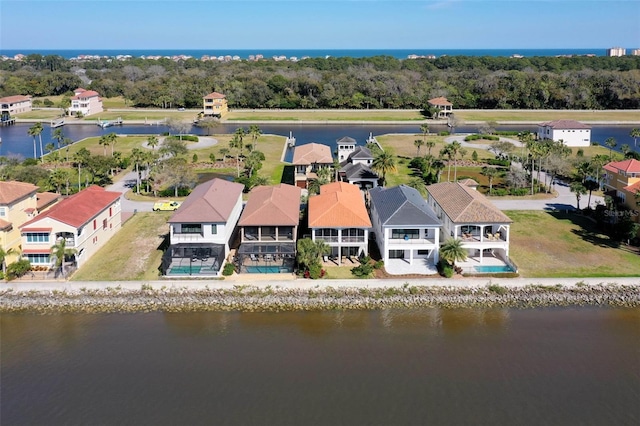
355, 164
571, 132
19, 203
622, 180
443, 107
407, 231
308, 159
268, 230
468, 215
338, 216
214, 105
10, 105
201, 229
85, 102
86, 221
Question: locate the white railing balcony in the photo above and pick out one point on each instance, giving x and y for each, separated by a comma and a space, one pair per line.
358, 239
330, 239
186, 238
411, 241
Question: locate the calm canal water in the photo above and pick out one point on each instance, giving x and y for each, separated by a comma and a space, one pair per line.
559, 366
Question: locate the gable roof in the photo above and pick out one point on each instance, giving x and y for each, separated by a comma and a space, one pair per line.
439, 101
402, 205
630, 165
465, 205
272, 206
339, 205
633, 188
45, 199
215, 95
346, 139
80, 208
565, 124
212, 201
13, 191
15, 98
312, 153
86, 94
468, 182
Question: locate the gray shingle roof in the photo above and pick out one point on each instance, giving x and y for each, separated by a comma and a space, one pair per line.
402, 205
346, 139
358, 171
361, 153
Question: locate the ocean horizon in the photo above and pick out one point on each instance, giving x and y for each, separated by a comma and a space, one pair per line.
312, 53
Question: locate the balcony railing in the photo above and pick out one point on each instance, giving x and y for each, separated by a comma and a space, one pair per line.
411, 241
482, 239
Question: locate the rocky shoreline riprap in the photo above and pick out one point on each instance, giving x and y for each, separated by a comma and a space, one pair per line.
248, 298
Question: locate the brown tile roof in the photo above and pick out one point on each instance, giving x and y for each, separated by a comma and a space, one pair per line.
45, 199
79, 208
215, 95
14, 99
468, 182
633, 188
312, 153
212, 201
628, 166
4, 225
272, 206
339, 205
440, 101
13, 191
465, 205
565, 124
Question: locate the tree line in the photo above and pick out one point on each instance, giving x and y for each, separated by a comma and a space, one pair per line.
353, 83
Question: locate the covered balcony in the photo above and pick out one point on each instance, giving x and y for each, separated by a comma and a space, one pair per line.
482, 233
412, 236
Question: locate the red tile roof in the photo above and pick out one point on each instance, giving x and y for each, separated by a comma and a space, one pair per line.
312, 153
15, 98
80, 208
272, 206
565, 124
12, 191
215, 95
86, 94
4, 225
212, 201
440, 101
633, 188
628, 166
339, 205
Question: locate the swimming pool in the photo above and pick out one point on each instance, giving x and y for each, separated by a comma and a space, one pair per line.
492, 269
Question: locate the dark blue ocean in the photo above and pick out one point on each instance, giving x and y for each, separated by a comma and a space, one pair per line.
313, 53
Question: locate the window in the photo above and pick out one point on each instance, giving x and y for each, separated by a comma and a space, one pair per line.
191, 228
214, 229
94, 224
37, 237
423, 252
38, 258
396, 254
401, 234
2, 213
104, 224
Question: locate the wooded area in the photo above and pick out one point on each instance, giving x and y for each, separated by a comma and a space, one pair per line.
354, 83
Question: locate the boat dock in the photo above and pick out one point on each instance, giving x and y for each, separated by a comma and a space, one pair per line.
291, 141
372, 139
58, 122
104, 124
8, 122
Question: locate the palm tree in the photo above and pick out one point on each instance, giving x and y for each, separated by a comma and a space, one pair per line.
453, 251
591, 185
240, 134
153, 141
104, 141
384, 163
33, 132
578, 189
635, 134
137, 157
255, 133
3, 256
611, 143
597, 162
112, 138
417, 183
58, 136
224, 152
490, 173
446, 152
455, 148
60, 252
430, 144
626, 149
418, 143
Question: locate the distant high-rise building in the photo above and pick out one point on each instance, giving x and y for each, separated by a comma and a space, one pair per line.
635, 52
616, 51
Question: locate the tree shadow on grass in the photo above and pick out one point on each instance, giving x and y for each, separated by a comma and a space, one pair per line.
588, 229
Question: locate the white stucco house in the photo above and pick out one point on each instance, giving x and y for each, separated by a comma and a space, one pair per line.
571, 132
86, 102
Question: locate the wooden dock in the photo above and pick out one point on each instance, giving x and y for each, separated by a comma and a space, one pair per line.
8, 122
104, 124
58, 122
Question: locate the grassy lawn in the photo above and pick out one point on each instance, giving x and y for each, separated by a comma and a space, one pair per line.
324, 115
338, 272
545, 115
143, 234
566, 245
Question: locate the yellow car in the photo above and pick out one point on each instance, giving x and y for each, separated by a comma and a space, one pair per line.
166, 206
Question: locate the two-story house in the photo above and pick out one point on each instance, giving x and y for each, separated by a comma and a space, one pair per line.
268, 230
443, 107
407, 230
571, 132
308, 159
355, 164
19, 203
338, 216
622, 180
10, 105
466, 214
85, 102
86, 221
214, 105
201, 229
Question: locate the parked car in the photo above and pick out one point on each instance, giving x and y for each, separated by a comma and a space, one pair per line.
166, 205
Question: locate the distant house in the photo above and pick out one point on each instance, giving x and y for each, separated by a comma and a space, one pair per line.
16, 104
85, 102
214, 105
338, 216
355, 164
268, 230
571, 132
19, 203
622, 180
86, 220
407, 230
466, 214
201, 229
308, 159
443, 107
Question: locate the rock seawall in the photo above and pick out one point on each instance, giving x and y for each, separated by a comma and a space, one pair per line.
249, 298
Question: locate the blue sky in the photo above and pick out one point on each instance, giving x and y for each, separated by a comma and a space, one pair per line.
318, 24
